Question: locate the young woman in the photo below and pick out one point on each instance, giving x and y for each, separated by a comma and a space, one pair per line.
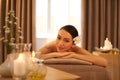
65, 47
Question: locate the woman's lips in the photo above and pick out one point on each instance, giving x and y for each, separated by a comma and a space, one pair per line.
60, 48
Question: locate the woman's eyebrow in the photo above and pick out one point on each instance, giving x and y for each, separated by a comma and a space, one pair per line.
58, 35
66, 38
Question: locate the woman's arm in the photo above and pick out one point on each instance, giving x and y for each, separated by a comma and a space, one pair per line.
87, 56
92, 58
79, 50
54, 55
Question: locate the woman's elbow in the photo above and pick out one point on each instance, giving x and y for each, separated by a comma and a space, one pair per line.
103, 63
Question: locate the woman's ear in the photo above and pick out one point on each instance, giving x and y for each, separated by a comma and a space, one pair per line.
73, 43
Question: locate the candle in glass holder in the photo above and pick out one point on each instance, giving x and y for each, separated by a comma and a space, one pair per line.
19, 66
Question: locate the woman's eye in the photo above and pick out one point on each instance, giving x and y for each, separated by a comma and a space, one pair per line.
58, 37
67, 41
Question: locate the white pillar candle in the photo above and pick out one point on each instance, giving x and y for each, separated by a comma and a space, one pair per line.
19, 66
33, 56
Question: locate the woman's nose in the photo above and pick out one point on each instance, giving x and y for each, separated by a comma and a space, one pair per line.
61, 43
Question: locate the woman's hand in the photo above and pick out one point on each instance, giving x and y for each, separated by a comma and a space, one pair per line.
70, 55
61, 54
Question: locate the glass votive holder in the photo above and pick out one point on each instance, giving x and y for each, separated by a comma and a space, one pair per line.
19, 77
27, 47
38, 72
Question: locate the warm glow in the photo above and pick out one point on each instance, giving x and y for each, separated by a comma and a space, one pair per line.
20, 56
52, 14
33, 54
19, 66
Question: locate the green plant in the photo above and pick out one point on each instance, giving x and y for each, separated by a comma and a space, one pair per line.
11, 32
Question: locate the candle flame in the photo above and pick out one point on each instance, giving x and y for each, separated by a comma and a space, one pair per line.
33, 54
20, 56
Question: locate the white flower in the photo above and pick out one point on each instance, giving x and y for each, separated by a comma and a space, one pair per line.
2, 38
76, 40
10, 22
4, 26
21, 37
11, 43
5, 40
12, 39
12, 15
7, 30
15, 23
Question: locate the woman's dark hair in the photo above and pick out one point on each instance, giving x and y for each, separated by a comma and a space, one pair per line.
70, 29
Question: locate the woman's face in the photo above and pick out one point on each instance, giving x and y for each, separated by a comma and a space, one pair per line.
64, 41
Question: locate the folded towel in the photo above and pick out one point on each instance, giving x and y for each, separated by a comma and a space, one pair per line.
66, 61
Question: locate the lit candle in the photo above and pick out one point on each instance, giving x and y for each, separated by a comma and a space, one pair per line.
19, 66
33, 55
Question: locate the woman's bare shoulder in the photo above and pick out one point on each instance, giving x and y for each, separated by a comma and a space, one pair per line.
48, 47
80, 50
50, 44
